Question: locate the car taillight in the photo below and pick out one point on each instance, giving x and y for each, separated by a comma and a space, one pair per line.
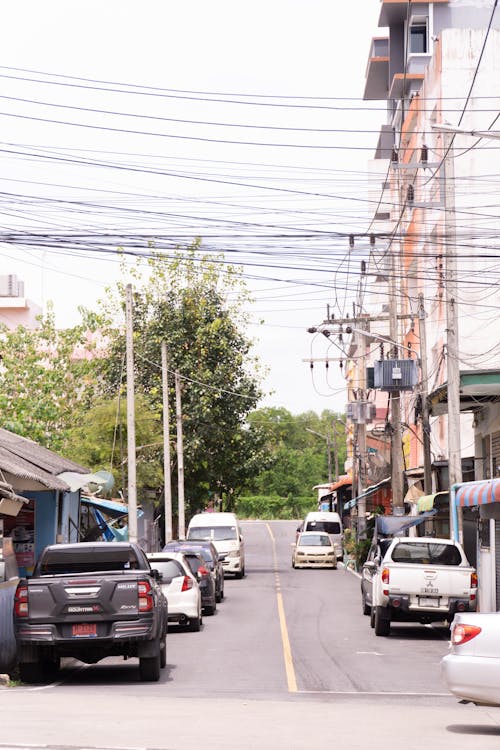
385, 575
21, 605
145, 593
463, 633
473, 580
203, 571
187, 583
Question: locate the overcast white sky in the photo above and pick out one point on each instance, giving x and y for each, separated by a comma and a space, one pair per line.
232, 121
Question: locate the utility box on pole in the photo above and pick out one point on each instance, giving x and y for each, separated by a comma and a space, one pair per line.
395, 374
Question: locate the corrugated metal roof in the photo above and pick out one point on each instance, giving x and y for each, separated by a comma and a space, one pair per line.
25, 459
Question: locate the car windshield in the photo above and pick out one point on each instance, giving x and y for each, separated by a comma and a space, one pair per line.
426, 553
331, 527
314, 540
213, 533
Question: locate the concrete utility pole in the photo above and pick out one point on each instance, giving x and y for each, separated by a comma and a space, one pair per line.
451, 290
395, 396
361, 473
426, 429
131, 451
180, 459
166, 445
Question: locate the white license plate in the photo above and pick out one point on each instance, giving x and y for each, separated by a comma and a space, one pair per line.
428, 601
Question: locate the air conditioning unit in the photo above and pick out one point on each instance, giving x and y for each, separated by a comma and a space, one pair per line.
11, 286
395, 374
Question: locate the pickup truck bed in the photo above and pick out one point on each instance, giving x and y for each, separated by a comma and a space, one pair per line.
90, 601
416, 579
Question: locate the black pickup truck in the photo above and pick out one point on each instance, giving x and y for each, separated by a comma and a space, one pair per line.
90, 600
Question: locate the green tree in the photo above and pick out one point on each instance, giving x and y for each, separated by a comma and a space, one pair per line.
44, 385
195, 305
296, 459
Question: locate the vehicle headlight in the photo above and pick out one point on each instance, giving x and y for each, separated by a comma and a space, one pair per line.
301, 553
232, 553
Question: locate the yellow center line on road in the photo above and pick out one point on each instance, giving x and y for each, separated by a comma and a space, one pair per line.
285, 641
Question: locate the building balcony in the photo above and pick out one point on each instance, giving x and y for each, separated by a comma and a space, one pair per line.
377, 70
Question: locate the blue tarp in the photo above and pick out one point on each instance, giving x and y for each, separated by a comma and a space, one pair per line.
394, 525
110, 507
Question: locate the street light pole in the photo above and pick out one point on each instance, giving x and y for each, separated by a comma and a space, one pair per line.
328, 448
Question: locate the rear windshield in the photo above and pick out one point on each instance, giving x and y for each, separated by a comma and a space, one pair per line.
331, 527
426, 553
213, 533
61, 561
168, 568
314, 540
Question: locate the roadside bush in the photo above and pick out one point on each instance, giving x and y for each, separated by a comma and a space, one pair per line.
273, 507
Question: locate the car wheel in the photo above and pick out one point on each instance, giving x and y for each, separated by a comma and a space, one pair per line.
222, 593
149, 667
163, 653
293, 563
382, 624
194, 624
366, 608
239, 574
30, 672
210, 609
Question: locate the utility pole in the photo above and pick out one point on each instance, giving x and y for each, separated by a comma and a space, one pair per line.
424, 390
361, 474
180, 459
166, 445
452, 362
131, 451
395, 396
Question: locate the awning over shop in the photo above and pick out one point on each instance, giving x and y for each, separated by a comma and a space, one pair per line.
476, 387
426, 502
76, 481
367, 493
342, 481
478, 493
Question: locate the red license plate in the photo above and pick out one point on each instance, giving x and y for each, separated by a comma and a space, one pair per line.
85, 630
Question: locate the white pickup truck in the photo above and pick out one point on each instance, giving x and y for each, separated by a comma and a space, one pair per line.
416, 579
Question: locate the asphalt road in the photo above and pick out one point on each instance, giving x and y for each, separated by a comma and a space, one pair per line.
288, 661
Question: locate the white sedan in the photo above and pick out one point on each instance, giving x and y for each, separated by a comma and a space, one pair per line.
471, 670
313, 549
180, 588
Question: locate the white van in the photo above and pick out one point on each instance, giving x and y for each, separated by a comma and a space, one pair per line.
224, 531
326, 521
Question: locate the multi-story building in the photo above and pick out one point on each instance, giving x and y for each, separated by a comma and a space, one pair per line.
436, 228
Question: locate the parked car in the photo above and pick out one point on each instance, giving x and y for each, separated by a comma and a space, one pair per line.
213, 560
90, 600
223, 529
416, 579
180, 586
314, 549
328, 521
205, 580
471, 670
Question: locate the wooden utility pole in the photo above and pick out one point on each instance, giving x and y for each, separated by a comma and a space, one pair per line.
166, 446
131, 448
180, 459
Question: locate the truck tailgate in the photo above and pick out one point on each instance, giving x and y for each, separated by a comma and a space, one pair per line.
71, 598
432, 580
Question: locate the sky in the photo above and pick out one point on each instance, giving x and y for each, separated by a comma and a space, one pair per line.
240, 123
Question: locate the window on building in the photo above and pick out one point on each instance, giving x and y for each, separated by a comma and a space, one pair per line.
418, 40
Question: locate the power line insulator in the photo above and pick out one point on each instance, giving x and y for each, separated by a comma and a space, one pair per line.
394, 156
410, 194
424, 154
351, 240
